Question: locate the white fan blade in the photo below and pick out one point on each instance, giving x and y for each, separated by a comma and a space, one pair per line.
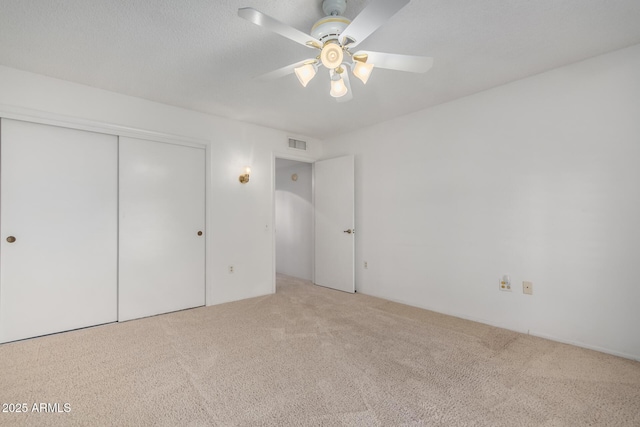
371, 18
392, 61
281, 72
345, 77
259, 18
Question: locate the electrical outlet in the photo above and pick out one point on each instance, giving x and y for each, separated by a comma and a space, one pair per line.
527, 288
505, 283
231, 269
366, 264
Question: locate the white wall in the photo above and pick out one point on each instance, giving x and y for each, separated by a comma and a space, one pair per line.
240, 217
294, 220
537, 179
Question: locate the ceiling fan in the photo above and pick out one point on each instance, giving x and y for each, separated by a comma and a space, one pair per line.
335, 38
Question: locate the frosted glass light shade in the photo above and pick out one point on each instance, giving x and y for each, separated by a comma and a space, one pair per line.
305, 73
338, 88
331, 55
362, 70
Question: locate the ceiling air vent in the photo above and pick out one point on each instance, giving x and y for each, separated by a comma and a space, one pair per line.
297, 144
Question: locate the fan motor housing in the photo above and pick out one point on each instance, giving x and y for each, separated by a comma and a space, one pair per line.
329, 27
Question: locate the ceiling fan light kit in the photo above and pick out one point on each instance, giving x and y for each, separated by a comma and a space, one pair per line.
331, 55
338, 86
335, 36
362, 70
306, 72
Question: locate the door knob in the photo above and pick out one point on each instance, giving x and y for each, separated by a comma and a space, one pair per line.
11, 239
349, 231
199, 233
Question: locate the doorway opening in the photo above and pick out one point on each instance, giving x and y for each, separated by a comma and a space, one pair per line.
294, 219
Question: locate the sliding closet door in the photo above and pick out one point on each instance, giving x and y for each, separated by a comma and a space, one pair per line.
58, 226
162, 217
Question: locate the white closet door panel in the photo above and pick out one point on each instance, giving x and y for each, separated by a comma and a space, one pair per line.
162, 209
59, 200
335, 223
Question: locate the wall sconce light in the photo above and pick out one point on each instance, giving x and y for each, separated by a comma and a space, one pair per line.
244, 178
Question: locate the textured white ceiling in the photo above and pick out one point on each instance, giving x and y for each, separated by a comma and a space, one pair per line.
200, 55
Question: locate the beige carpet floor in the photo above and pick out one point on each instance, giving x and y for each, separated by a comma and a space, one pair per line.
313, 356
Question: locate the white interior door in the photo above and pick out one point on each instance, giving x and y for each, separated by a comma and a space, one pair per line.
334, 223
59, 202
162, 218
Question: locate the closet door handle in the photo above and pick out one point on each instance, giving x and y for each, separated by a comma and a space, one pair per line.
349, 231
11, 239
199, 233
